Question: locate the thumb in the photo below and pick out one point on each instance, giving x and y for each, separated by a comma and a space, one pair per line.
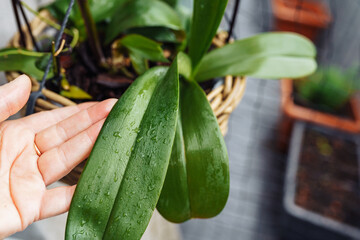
13, 96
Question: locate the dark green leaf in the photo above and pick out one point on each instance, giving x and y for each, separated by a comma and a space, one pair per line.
100, 10
58, 9
206, 19
42, 62
139, 63
172, 3
174, 202
201, 190
144, 47
186, 17
121, 183
159, 34
267, 55
141, 13
14, 59
184, 65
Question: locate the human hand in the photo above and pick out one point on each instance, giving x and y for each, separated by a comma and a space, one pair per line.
64, 137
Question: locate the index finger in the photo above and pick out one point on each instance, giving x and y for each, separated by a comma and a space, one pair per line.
13, 96
42, 120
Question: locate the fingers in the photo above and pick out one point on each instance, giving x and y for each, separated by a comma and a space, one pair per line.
56, 201
59, 161
13, 96
42, 120
70, 127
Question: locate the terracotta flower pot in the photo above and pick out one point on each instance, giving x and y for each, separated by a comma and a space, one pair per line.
294, 112
301, 16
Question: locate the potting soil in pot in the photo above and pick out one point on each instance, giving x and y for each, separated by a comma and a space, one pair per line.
328, 177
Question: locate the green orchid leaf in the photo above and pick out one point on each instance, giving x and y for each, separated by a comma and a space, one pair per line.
267, 55
139, 63
107, 11
100, 10
75, 92
174, 203
28, 62
186, 18
142, 13
206, 20
122, 180
42, 62
58, 9
159, 34
184, 65
197, 182
144, 47
172, 3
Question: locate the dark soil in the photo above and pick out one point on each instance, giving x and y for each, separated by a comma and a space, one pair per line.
328, 177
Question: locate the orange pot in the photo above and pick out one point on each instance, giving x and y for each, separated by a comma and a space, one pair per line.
294, 112
305, 17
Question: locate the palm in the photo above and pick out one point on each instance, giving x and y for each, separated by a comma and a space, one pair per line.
64, 137
22, 187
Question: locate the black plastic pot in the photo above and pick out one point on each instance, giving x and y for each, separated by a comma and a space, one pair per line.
301, 223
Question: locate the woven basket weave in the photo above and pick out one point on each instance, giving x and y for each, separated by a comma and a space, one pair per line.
223, 99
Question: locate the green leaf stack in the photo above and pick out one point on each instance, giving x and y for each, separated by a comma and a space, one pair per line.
121, 183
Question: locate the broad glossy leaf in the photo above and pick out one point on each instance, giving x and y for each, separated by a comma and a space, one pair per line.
14, 59
174, 203
121, 183
197, 182
75, 92
144, 47
184, 65
267, 55
207, 15
141, 13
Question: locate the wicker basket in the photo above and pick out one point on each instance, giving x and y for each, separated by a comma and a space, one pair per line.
223, 99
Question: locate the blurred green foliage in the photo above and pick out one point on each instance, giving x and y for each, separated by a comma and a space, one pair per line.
330, 88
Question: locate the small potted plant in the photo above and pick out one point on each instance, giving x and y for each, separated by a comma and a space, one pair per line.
327, 97
161, 145
322, 184
307, 17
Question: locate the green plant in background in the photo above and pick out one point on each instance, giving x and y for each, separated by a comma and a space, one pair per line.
144, 22
161, 145
330, 88
14, 59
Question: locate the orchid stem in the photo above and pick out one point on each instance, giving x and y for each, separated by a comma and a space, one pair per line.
28, 26
92, 32
233, 19
16, 13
